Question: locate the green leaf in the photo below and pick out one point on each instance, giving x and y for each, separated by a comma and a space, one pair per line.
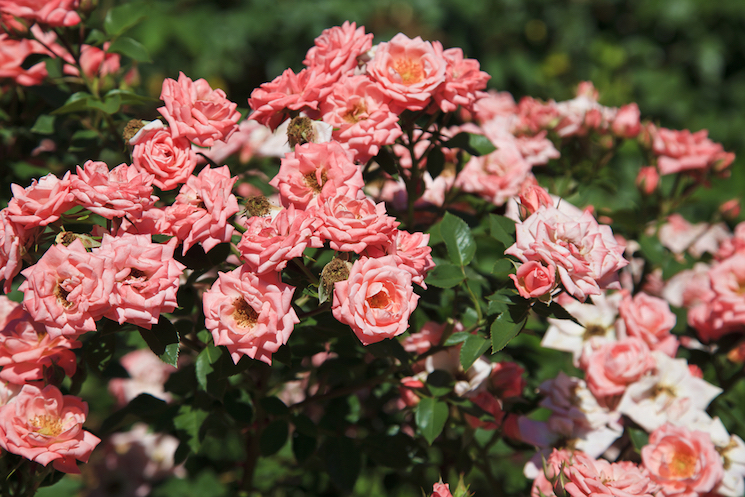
343, 462
502, 229
144, 406
386, 161
481, 144
639, 438
96, 37
131, 48
204, 362
76, 103
505, 328
303, 446
130, 98
458, 239
431, 416
553, 310
445, 276
456, 338
473, 348
190, 420
109, 105
121, 18
503, 268
273, 437
99, 351
273, 405
440, 382
435, 162
163, 340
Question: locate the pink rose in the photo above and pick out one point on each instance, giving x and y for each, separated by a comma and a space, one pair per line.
428, 336
352, 225
682, 151
41, 203
12, 246
12, 55
492, 405
147, 374
45, 426
171, 159
441, 490
491, 104
123, 191
197, 112
272, 102
682, 462
409, 71
650, 319
406, 391
315, 172
532, 196
68, 289
250, 314
533, 279
556, 464
647, 179
626, 124
721, 304
614, 365
53, 13
507, 379
588, 477
146, 278
463, 80
376, 300
411, 251
535, 116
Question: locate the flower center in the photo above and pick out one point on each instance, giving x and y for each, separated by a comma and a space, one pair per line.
660, 389
135, 273
61, 295
593, 330
379, 301
245, 316
683, 465
312, 181
356, 113
46, 425
410, 71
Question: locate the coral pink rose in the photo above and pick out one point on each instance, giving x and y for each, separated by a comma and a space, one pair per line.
352, 225
647, 179
650, 319
123, 191
412, 252
146, 278
53, 13
315, 172
376, 300
491, 104
684, 463
41, 203
683, 151
12, 55
721, 304
463, 80
68, 289
441, 490
272, 102
532, 196
147, 374
406, 391
171, 159
626, 124
588, 477
409, 71
12, 241
507, 379
250, 314
492, 405
197, 112
556, 464
428, 336
614, 365
533, 279
45, 426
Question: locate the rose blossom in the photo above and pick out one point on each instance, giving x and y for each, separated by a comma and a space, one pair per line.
197, 112
272, 102
44, 426
171, 159
146, 278
647, 179
411, 251
250, 314
123, 191
614, 365
376, 300
315, 172
533, 279
492, 405
682, 462
68, 289
428, 335
41, 203
53, 13
12, 55
335, 52
352, 225
626, 124
682, 151
588, 477
147, 374
409, 71
12, 241
719, 304
463, 80
441, 490
650, 319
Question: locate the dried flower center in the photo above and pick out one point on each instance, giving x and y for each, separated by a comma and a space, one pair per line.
683, 465
66, 238
312, 181
61, 295
245, 316
593, 330
411, 71
257, 205
135, 273
379, 301
299, 131
46, 425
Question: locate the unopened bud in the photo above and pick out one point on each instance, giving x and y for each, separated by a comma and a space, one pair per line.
647, 179
730, 209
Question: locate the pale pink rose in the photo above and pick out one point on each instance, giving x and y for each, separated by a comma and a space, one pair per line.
269, 242
684, 463
197, 112
592, 478
26, 350
272, 102
583, 113
149, 222
171, 159
720, 308
467, 382
507, 379
352, 225
315, 172
147, 374
146, 278
556, 463
732, 245
251, 139
535, 116
201, 210
44, 426
357, 109
463, 80
683, 151
489, 403
532, 196
41, 203
586, 255
650, 319
409, 71
12, 55
335, 53
441, 490
53, 13
376, 300
123, 191
491, 104
537, 150
626, 124
250, 314
429, 335
12, 247
68, 289
533, 279
614, 365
